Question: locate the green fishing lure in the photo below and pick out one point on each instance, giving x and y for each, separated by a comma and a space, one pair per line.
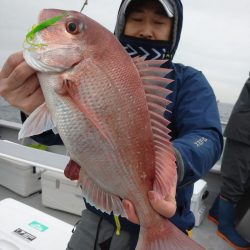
36, 28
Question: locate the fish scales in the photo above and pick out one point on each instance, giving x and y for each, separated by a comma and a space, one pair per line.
96, 99
101, 151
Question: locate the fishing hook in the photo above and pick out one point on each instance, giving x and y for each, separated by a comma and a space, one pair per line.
85, 3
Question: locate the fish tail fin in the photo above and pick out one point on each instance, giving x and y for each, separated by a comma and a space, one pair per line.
168, 237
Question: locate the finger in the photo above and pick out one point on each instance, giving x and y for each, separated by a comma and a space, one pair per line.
16, 79
30, 85
11, 63
32, 102
130, 211
19, 75
26, 89
24, 101
166, 208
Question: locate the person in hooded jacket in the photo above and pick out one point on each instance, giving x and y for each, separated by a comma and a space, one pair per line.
235, 171
152, 29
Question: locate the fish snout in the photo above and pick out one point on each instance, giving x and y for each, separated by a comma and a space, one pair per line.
46, 14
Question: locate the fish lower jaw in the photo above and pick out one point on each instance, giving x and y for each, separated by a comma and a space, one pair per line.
32, 58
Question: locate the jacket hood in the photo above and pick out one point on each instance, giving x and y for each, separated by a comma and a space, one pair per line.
177, 27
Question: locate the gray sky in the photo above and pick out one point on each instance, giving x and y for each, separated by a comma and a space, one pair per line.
215, 38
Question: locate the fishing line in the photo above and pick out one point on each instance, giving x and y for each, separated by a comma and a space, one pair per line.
85, 3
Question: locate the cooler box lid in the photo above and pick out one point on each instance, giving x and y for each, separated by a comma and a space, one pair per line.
25, 228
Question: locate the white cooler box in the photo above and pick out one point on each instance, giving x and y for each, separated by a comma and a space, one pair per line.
25, 228
21, 166
198, 206
61, 193
22, 178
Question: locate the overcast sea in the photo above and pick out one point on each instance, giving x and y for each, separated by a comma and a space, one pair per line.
9, 113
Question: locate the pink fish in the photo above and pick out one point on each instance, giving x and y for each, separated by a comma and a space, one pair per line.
108, 110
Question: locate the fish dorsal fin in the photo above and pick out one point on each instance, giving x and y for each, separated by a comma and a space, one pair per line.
38, 122
154, 82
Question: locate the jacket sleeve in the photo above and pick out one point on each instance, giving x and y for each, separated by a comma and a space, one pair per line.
196, 126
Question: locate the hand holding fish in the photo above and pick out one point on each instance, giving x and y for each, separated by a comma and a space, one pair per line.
19, 84
165, 207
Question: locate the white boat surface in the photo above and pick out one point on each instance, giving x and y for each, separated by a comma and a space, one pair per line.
14, 152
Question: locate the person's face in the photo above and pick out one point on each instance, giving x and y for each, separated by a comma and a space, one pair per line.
149, 22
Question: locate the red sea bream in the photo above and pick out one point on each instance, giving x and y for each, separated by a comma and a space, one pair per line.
108, 110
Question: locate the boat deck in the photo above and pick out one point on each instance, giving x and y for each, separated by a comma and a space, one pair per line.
204, 234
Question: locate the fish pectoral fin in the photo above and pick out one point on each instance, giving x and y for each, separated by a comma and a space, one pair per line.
37, 122
70, 88
98, 197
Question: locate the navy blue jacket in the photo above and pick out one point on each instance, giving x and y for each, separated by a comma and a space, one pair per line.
196, 133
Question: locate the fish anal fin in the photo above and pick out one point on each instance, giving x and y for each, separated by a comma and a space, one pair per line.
37, 122
99, 198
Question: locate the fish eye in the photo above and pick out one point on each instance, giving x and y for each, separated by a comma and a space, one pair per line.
73, 27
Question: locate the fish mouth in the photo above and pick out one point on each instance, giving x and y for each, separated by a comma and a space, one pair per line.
33, 60
39, 57
32, 56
